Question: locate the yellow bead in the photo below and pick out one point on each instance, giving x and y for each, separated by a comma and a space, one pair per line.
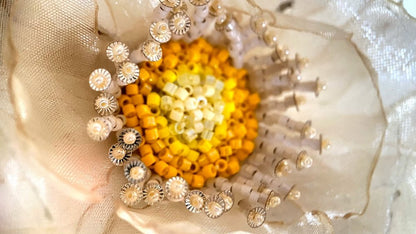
236, 143
145, 149
132, 89
228, 95
169, 76
124, 100
148, 160
198, 181
215, 141
221, 165
203, 160
229, 107
248, 146
163, 132
188, 177
161, 168
226, 151
151, 135
132, 122
143, 110
185, 151
184, 164
213, 155
145, 89
153, 100
193, 144
165, 155
170, 61
192, 155
241, 155
221, 131
233, 167
172, 172
161, 122
176, 147
209, 171
230, 84
129, 110
204, 146
148, 121
137, 99
158, 146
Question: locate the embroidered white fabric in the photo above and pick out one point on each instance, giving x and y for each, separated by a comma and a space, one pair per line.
54, 179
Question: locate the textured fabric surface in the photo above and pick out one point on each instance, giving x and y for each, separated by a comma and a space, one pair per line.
55, 179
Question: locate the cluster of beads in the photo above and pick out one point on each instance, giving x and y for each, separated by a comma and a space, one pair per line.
189, 119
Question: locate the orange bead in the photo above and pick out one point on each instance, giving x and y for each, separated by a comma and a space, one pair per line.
143, 110
248, 146
144, 75
223, 55
203, 160
233, 167
240, 130
180, 173
171, 172
161, 168
221, 165
198, 181
145, 150
188, 177
240, 95
145, 89
224, 174
184, 164
140, 130
165, 155
254, 99
252, 123
170, 61
213, 155
149, 160
124, 100
251, 134
241, 155
137, 99
226, 151
129, 110
241, 73
132, 89
236, 143
151, 134
148, 121
158, 146
194, 167
209, 171
132, 122
237, 114
175, 162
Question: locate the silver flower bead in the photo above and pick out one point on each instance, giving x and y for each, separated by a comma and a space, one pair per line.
214, 206
153, 193
176, 188
160, 31
100, 79
99, 128
117, 52
256, 217
117, 155
195, 201
152, 50
170, 3
135, 171
130, 139
199, 2
128, 72
180, 23
105, 104
131, 194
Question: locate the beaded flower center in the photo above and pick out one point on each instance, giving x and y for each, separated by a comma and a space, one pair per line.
194, 111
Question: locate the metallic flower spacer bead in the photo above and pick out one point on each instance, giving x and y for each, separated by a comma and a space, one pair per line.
99, 128
303, 160
258, 24
151, 50
170, 3
214, 206
180, 23
100, 79
105, 104
135, 171
293, 194
199, 2
256, 217
216, 8
131, 194
160, 31
176, 189
117, 52
130, 139
153, 193
273, 200
228, 198
195, 201
282, 168
128, 72
118, 155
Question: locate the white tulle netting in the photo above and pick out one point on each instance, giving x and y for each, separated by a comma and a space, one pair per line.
55, 179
